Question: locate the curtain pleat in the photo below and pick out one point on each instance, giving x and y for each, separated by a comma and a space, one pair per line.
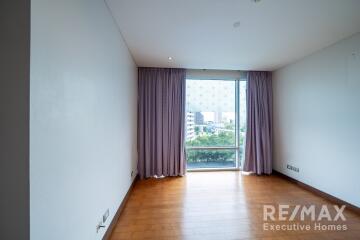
161, 122
258, 148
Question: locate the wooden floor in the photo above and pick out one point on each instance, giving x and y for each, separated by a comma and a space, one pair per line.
218, 205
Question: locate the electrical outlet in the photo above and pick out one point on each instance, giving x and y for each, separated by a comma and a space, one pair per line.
292, 168
105, 216
99, 226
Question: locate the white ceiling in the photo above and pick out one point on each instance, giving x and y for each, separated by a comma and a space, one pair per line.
200, 33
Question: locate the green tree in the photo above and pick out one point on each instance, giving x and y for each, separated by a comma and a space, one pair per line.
197, 130
230, 126
224, 138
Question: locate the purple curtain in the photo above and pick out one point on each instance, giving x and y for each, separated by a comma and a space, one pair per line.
258, 149
161, 122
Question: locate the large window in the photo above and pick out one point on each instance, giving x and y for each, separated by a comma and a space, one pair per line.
215, 123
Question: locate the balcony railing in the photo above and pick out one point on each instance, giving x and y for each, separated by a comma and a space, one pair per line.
211, 157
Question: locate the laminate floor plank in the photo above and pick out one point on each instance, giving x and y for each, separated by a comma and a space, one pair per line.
221, 206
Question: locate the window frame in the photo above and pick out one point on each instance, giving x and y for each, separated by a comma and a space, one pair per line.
237, 146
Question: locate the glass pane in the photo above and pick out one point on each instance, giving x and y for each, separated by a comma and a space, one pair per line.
210, 117
224, 158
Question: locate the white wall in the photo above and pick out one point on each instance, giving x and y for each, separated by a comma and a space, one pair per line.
317, 119
82, 119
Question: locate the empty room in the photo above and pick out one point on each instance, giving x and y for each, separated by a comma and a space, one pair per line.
179, 119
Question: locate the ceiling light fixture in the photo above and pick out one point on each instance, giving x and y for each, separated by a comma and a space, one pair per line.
169, 58
236, 24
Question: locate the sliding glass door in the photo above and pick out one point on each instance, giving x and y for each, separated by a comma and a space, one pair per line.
215, 123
